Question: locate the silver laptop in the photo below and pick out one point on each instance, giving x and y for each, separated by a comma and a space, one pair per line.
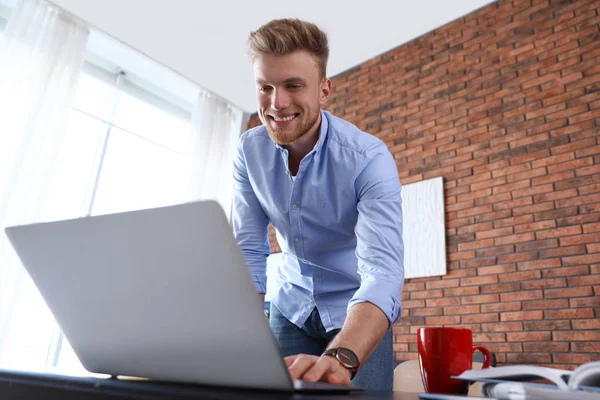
162, 293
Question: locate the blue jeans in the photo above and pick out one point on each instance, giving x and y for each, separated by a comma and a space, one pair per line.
376, 374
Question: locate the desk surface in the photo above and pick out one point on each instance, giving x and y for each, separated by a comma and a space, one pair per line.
25, 385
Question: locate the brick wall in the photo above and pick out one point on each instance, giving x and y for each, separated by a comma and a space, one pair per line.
505, 105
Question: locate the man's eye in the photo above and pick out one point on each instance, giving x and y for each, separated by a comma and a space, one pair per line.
294, 86
264, 88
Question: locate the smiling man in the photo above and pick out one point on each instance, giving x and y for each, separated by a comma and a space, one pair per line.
332, 193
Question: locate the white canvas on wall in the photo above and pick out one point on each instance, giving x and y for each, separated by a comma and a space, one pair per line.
424, 228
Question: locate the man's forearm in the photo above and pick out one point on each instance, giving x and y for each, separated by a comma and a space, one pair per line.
363, 329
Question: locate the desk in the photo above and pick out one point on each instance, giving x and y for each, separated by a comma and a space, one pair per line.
26, 385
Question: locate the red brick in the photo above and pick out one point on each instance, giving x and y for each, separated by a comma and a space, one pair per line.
413, 303
574, 336
426, 294
546, 347
586, 347
544, 283
521, 237
561, 176
545, 304
462, 310
580, 239
512, 186
501, 307
514, 221
574, 358
489, 337
489, 183
570, 271
474, 211
553, 325
461, 255
571, 313
502, 197
521, 316
582, 277
568, 292
555, 159
443, 302
445, 320
492, 216
535, 226
583, 324
516, 257
496, 269
559, 232
580, 162
563, 251
504, 347
583, 302
409, 287
535, 209
476, 244
479, 280
492, 233
539, 264
589, 228
440, 284
582, 260
461, 291
528, 358
522, 295
420, 312
557, 195
528, 336
502, 327
487, 298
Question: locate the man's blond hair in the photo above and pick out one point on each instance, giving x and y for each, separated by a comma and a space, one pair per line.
284, 36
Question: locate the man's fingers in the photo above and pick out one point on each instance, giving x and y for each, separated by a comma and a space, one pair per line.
340, 377
319, 369
314, 368
289, 360
300, 365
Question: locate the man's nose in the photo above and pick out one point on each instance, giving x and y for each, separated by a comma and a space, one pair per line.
280, 100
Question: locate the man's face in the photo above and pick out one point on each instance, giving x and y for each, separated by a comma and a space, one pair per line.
290, 94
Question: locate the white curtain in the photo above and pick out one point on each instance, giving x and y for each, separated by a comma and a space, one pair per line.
41, 55
215, 130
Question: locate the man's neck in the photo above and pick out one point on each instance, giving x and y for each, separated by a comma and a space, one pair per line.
303, 145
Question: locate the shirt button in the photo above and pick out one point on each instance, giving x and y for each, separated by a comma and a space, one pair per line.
317, 278
297, 240
294, 206
317, 297
287, 172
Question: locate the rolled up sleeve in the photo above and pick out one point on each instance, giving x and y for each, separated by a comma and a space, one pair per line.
380, 248
250, 223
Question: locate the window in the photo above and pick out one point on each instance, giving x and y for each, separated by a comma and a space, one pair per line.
125, 148
126, 151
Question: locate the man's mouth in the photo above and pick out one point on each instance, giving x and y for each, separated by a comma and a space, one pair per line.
283, 119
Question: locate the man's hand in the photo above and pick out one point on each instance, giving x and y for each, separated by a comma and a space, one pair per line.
314, 368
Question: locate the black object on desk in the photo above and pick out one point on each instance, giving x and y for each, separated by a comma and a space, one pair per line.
28, 385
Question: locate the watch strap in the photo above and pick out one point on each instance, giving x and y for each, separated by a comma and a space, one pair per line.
333, 352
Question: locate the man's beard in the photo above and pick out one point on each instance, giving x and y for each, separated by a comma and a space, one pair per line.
286, 135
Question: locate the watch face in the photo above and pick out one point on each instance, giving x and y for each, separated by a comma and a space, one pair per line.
347, 357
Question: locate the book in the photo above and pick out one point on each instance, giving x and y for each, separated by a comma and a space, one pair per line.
525, 391
584, 377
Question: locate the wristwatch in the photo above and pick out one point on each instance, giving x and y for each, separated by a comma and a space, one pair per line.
346, 357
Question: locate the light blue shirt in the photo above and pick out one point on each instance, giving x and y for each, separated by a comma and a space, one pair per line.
338, 223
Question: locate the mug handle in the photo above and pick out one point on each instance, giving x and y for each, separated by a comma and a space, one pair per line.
487, 357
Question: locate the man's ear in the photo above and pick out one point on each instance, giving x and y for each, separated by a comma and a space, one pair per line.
325, 91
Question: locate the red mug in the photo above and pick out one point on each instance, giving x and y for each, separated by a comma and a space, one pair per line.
445, 352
